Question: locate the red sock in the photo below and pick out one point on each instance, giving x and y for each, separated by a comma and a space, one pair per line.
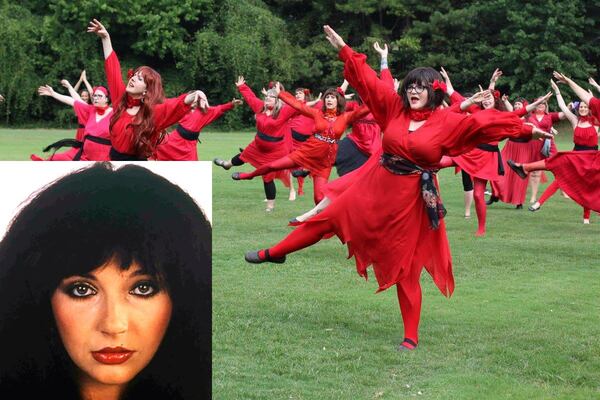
480, 207
300, 186
549, 192
301, 237
319, 186
587, 213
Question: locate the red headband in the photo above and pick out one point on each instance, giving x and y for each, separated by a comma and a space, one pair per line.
129, 73
100, 88
437, 85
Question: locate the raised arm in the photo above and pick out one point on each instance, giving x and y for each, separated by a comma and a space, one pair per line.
593, 83
383, 102
250, 98
506, 102
206, 118
563, 106
72, 90
497, 74
48, 91
302, 108
87, 84
580, 92
80, 81
384, 72
96, 27
449, 87
173, 109
530, 107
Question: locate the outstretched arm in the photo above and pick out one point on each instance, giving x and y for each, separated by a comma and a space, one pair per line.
497, 74
96, 27
594, 84
563, 106
48, 91
249, 97
71, 90
583, 94
80, 81
87, 84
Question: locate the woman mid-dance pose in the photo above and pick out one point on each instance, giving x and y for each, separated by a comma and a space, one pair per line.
317, 154
391, 216
141, 111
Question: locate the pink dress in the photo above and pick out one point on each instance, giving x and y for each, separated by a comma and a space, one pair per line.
96, 137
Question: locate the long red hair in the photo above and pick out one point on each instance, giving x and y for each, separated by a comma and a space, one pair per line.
145, 135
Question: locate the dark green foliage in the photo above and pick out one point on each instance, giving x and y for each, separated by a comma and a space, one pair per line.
206, 44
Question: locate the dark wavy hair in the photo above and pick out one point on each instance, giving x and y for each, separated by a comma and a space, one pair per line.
423, 76
73, 226
341, 100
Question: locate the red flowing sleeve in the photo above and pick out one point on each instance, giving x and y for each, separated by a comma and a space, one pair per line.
204, 119
383, 102
358, 114
169, 112
595, 106
116, 87
457, 98
483, 127
82, 111
521, 112
250, 98
352, 105
554, 116
386, 76
294, 104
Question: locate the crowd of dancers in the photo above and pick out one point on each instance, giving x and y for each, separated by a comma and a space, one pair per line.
386, 203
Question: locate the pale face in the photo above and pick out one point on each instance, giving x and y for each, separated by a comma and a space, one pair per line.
331, 102
541, 108
270, 101
136, 85
488, 103
417, 96
583, 109
300, 95
85, 96
111, 322
99, 98
518, 105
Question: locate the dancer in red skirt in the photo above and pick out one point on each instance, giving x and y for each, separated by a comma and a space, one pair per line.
94, 144
272, 140
585, 138
141, 111
391, 216
317, 154
180, 144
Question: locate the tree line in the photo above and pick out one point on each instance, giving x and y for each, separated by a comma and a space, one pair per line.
206, 44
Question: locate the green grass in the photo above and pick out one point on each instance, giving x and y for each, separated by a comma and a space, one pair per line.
523, 322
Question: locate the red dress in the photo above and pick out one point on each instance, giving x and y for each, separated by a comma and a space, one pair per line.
96, 139
301, 128
272, 138
122, 134
180, 144
381, 216
545, 124
317, 154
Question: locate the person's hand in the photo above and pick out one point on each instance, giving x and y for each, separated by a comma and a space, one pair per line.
396, 85
236, 102
277, 88
497, 74
480, 96
345, 85
560, 77
554, 87
383, 52
240, 81
445, 75
1, 98
46, 90
505, 98
96, 27
349, 96
336, 40
83, 75
65, 83
592, 82
540, 134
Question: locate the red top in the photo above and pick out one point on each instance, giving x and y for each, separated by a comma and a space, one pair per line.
595, 106
445, 132
195, 120
93, 125
266, 124
585, 136
546, 122
164, 115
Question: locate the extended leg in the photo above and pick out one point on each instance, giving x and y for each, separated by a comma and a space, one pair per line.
480, 207
277, 165
410, 299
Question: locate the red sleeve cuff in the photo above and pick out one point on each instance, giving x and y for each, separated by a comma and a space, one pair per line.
345, 53
527, 130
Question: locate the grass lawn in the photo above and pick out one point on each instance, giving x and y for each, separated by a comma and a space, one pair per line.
523, 323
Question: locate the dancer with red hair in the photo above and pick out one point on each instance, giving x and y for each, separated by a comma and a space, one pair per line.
391, 216
141, 111
317, 154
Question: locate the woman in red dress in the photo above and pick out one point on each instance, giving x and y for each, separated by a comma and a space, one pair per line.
180, 144
272, 140
141, 111
391, 216
576, 172
317, 154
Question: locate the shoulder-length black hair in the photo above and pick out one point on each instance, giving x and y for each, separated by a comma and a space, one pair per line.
341, 100
75, 225
423, 76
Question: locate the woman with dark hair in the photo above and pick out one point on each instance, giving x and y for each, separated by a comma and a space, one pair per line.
94, 143
585, 138
141, 111
105, 290
391, 216
271, 142
317, 154
85, 94
301, 128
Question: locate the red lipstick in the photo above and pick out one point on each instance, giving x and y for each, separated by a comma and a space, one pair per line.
112, 355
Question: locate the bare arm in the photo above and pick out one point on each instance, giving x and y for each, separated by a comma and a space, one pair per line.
78, 84
96, 27
507, 105
87, 84
594, 84
71, 90
497, 74
48, 91
583, 94
563, 106
543, 99
449, 87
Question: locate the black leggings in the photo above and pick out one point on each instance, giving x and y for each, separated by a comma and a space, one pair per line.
467, 181
236, 160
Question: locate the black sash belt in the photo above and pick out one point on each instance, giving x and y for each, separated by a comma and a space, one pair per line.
63, 143
91, 138
519, 140
299, 137
493, 149
187, 134
433, 204
118, 156
268, 138
579, 147
80, 126
366, 121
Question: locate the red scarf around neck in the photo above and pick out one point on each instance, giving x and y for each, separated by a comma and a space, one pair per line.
101, 110
131, 102
419, 115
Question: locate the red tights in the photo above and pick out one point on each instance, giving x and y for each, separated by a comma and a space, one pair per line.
549, 192
300, 186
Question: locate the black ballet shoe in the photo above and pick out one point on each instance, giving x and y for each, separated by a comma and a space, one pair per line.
518, 169
300, 173
221, 163
235, 176
253, 258
411, 345
519, 207
295, 222
493, 199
